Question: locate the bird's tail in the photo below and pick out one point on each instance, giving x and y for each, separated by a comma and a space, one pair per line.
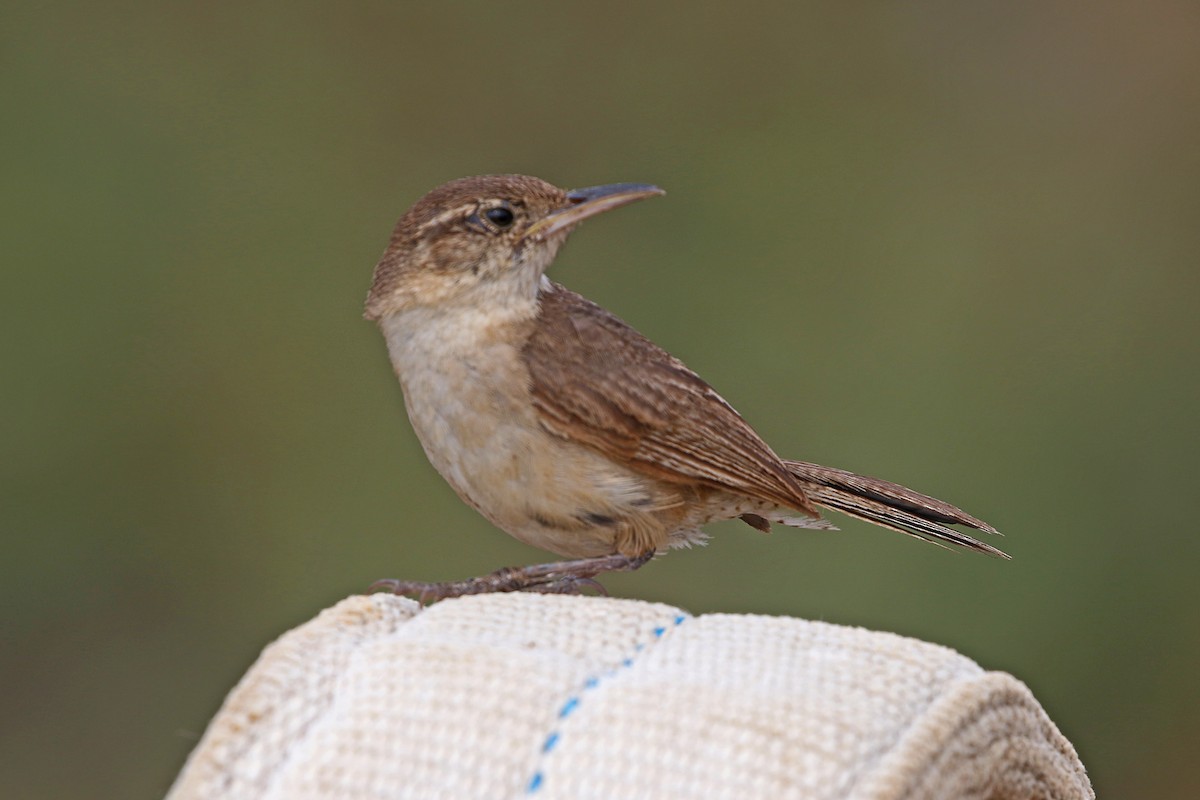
892, 506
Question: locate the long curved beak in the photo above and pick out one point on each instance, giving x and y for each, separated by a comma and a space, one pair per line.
589, 202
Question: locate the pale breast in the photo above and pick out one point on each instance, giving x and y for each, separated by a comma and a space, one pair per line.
467, 394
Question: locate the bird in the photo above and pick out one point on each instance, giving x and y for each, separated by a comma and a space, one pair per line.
564, 426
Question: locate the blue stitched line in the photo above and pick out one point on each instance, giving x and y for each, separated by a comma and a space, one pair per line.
572, 702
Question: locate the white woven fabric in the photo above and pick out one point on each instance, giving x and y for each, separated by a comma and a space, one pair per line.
544, 696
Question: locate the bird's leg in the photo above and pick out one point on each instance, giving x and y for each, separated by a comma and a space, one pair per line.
559, 577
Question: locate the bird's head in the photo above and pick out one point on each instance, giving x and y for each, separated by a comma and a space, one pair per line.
483, 240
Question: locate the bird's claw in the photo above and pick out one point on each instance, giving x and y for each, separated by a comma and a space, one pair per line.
564, 577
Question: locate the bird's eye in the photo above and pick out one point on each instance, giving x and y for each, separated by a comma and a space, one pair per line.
500, 216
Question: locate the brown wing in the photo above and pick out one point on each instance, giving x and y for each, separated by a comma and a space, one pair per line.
598, 381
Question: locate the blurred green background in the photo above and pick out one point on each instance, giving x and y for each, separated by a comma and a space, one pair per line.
954, 245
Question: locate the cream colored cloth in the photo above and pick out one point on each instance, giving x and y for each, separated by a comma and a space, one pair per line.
547, 696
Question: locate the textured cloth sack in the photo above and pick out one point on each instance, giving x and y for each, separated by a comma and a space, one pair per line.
546, 696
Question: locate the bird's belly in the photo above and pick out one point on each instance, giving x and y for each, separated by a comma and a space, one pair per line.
543, 490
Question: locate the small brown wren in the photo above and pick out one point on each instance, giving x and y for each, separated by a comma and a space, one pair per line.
563, 425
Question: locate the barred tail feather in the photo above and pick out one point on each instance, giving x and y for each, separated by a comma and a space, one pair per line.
892, 506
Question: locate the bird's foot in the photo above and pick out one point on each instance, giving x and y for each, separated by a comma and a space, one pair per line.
559, 577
